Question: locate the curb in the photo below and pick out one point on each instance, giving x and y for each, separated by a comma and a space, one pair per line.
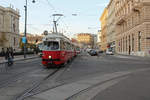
147, 57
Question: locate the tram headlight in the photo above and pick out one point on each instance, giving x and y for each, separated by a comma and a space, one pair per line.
49, 57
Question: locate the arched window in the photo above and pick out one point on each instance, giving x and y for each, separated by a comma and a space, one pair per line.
14, 28
132, 42
139, 41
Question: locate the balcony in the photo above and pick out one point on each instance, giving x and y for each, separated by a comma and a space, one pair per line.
121, 19
137, 5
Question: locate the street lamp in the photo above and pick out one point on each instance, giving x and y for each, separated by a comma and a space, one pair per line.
25, 30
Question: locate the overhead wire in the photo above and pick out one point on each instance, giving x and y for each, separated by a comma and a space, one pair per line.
50, 5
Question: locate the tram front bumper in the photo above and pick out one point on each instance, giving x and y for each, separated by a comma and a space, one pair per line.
51, 62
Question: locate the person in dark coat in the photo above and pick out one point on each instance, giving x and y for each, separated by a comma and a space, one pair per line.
12, 53
8, 56
3, 52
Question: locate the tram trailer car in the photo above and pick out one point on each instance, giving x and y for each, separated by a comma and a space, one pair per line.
57, 50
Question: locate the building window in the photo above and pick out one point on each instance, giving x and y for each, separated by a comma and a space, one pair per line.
126, 44
119, 45
129, 45
139, 18
14, 41
139, 41
123, 44
132, 42
129, 40
14, 28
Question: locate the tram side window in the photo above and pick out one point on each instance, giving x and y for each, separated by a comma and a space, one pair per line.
69, 46
63, 46
73, 48
66, 45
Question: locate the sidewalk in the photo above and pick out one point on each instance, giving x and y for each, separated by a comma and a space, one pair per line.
131, 57
19, 57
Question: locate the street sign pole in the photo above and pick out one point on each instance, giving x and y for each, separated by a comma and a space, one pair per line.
25, 31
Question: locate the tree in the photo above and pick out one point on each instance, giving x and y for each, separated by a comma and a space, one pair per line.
21, 45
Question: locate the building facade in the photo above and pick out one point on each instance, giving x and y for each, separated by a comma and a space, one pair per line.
99, 39
111, 34
133, 27
103, 20
94, 41
85, 40
9, 28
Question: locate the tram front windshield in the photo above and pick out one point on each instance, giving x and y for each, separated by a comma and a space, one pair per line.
51, 45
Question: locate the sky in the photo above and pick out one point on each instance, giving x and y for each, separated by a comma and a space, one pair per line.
40, 13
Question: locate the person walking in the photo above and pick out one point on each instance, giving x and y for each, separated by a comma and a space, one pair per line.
12, 53
3, 52
8, 57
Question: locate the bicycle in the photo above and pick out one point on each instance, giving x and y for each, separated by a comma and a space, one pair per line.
8, 64
10, 61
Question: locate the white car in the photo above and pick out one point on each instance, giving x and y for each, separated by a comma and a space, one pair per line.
108, 52
88, 50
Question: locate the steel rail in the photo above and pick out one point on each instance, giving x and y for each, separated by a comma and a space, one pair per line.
27, 92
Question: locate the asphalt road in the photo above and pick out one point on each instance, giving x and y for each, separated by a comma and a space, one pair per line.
19, 77
24, 74
135, 87
86, 66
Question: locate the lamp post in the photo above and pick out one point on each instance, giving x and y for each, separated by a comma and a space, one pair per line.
25, 29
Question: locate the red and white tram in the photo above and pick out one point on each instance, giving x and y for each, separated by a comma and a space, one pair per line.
57, 50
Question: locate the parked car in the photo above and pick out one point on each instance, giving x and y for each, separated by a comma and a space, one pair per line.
109, 52
88, 50
93, 53
100, 51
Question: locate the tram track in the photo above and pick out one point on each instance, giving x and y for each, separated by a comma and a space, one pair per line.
34, 89
28, 92
14, 78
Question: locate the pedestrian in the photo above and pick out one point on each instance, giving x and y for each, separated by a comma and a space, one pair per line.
37, 50
8, 57
7, 54
12, 53
3, 52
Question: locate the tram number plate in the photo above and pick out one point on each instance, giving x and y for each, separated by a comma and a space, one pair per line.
50, 62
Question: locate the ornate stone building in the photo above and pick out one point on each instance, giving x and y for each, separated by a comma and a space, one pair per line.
111, 34
99, 39
85, 40
103, 20
9, 28
133, 27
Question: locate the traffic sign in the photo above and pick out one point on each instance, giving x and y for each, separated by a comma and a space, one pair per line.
24, 39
